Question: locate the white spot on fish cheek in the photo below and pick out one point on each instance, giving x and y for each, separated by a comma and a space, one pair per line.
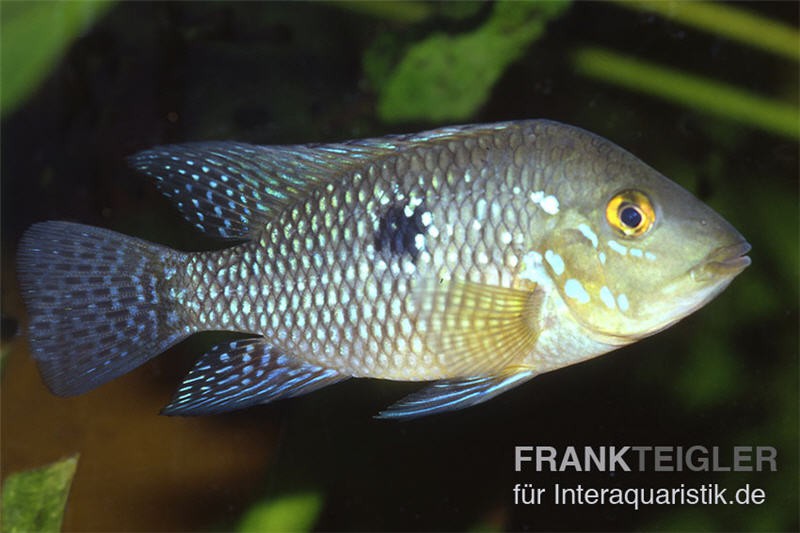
587, 232
650, 256
617, 247
636, 252
607, 297
602, 257
622, 302
555, 262
574, 289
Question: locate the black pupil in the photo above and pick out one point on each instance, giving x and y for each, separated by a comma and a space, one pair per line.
630, 216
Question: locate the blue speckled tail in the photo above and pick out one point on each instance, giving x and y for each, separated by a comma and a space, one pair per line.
100, 303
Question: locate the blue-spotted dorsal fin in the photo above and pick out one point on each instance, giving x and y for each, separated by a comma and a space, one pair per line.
230, 189
450, 395
244, 373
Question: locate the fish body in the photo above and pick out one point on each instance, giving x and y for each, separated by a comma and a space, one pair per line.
474, 256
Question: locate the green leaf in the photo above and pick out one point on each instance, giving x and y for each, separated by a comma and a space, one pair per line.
447, 77
34, 500
295, 512
728, 21
691, 91
33, 36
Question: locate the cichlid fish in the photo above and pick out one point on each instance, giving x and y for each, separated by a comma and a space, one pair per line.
476, 256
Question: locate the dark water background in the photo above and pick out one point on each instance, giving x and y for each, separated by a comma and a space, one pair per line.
148, 74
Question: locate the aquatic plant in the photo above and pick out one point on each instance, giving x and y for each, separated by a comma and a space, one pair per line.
33, 35
34, 500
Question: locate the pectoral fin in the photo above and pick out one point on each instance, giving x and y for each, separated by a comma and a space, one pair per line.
451, 395
478, 329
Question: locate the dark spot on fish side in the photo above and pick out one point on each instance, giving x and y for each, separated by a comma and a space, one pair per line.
397, 230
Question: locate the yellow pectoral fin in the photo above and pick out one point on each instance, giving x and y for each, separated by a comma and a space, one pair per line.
478, 329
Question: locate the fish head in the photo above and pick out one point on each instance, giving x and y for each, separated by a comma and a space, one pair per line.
637, 252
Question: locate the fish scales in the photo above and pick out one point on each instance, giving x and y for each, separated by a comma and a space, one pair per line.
477, 256
331, 324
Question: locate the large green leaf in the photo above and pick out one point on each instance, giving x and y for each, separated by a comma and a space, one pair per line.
34, 500
33, 36
446, 77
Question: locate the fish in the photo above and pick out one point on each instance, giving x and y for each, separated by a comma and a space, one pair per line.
471, 257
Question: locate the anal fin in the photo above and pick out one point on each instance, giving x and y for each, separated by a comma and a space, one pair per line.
244, 373
451, 395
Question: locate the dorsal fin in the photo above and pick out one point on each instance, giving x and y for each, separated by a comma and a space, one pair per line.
230, 189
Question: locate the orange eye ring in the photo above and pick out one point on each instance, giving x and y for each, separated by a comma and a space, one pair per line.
630, 213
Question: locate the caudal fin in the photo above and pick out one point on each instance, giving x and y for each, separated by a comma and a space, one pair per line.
100, 303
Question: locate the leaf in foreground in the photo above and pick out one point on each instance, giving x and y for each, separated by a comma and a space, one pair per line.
294, 512
34, 500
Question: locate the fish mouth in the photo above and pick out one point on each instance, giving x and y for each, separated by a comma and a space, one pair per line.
724, 262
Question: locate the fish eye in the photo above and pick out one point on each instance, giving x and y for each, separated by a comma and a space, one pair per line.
631, 216
630, 213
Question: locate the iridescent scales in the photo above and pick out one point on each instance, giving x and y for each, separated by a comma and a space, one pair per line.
478, 256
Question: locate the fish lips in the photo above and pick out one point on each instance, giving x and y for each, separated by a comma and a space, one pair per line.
726, 262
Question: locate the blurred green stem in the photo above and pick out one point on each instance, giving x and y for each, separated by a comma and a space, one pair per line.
691, 91
727, 21
407, 12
